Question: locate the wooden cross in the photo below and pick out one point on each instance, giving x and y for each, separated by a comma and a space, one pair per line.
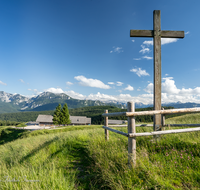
157, 34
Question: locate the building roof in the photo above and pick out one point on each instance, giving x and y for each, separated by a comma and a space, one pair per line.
74, 119
45, 118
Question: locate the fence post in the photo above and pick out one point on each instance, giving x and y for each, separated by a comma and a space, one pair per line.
163, 120
131, 141
106, 124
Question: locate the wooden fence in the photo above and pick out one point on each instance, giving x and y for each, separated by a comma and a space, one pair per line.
132, 127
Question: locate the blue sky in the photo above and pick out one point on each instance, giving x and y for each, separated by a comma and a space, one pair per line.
83, 48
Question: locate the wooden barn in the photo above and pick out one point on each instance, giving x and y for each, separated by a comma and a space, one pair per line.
47, 120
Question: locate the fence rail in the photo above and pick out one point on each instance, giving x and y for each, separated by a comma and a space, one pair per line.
165, 125
153, 112
132, 127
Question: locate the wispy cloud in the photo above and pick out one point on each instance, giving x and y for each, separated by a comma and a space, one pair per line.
3, 83
91, 82
187, 32
119, 83
69, 83
140, 72
150, 42
21, 80
117, 50
133, 40
129, 87
112, 83
147, 57
137, 59
144, 49
35, 91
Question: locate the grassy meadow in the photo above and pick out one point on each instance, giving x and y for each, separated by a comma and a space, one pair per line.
79, 158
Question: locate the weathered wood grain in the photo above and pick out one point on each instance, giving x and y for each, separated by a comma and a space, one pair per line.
172, 34
106, 124
131, 141
141, 33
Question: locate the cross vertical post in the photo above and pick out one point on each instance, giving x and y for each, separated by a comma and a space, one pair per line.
157, 34
157, 68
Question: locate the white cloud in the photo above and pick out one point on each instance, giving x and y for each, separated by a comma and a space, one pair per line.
75, 95
170, 92
148, 42
144, 50
166, 74
21, 80
91, 82
149, 88
168, 40
3, 83
147, 57
117, 49
187, 32
133, 40
54, 90
69, 83
138, 89
129, 87
140, 72
163, 41
35, 92
111, 83
119, 83
136, 59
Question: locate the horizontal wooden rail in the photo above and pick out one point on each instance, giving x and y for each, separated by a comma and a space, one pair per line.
153, 112
166, 125
184, 125
163, 132
116, 131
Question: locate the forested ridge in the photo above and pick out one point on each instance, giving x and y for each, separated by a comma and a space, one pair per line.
94, 112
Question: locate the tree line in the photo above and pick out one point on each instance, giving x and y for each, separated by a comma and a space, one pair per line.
93, 112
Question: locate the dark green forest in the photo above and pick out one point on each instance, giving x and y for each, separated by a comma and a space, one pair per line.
94, 112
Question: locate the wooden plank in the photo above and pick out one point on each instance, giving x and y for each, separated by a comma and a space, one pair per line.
106, 124
137, 125
131, 141
114, 114
141, 33
164, 132
184, 125
153, 112
172, 34
116, 131
157, 68
165, 112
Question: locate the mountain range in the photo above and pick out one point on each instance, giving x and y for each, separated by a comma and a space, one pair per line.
48, 101
45, 101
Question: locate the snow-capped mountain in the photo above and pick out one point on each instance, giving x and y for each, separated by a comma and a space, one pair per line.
45, 101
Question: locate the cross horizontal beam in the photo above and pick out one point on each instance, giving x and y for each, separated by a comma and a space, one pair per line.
163, 33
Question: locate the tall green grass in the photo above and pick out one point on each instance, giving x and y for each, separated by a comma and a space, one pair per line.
80, 158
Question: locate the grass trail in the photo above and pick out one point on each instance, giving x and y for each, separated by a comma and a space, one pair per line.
80, 158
